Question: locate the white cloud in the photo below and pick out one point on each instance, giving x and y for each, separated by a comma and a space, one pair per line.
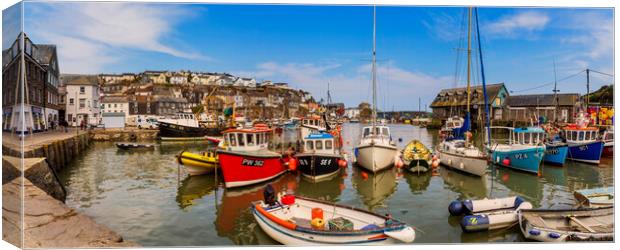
526, 21
91, 35
594, 31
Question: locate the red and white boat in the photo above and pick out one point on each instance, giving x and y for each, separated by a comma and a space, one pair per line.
245, 158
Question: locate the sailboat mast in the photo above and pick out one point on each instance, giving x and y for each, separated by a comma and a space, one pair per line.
468, 59
555, 93
374, 66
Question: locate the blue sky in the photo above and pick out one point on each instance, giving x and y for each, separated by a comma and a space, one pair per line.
309, 46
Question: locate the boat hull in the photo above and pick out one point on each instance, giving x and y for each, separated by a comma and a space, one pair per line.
586, 152
471, 165
247, 168
418, 166
608, 149
174, 130
291, 232
375, 158
318, 167
554, 230
527, 160
556, 154
197, 164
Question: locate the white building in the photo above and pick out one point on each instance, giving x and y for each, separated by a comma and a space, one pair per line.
115, 104
178, 79
352, 113
82, 99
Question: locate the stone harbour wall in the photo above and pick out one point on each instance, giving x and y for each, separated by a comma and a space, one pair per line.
127, 134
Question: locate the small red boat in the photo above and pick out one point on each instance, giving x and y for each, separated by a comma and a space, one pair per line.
245, 158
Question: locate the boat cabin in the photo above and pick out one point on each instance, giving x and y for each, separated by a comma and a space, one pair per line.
528, 136
523, 136
452, 123
379, 131
576, 134
321, 142
316, 122
247, 139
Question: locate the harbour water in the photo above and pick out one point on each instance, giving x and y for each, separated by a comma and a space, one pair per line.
149, 199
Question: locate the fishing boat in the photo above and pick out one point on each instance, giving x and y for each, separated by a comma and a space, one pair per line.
185, 125
320, 159
608, 139
488, 214
295, 220
129, 146
246, 159
457, 150
311, 124
584, 224
198, 164
556, 152
595, 197
523, 151
376, 150
416, 157
584, 144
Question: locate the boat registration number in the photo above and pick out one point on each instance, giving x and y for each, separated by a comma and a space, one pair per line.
520, 156
583, 148
252, 163
553, 151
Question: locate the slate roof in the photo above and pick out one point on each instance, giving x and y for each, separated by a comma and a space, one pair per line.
74, 79
458, 96
44, 53
569, 99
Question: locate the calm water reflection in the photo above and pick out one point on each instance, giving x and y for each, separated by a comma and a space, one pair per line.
148, 198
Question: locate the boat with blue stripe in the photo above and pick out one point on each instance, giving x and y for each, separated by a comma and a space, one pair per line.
524, 149
556, 152
584, 144
294, 220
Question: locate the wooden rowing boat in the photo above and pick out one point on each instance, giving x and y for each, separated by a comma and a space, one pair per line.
134, 146
595, 197
293, 220
584, 224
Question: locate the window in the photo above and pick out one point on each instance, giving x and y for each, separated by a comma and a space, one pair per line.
109, 105
82, 102
240, 140
82, 89
328, 144
250, 139
385, 131
309, 145
319, 145
232, 139
581, 136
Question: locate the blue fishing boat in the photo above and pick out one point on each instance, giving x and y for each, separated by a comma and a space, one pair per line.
556, 152
584, 144
524, 150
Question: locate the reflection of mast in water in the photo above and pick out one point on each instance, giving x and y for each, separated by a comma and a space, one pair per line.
193, 188
234, 218
469, 186
375, 188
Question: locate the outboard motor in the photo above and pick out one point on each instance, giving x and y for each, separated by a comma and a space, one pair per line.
269, 195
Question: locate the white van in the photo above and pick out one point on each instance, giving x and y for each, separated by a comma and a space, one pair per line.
146, 122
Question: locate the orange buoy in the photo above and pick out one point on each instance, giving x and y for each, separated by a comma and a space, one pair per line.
364, 175
342, 163
317, 212
292, 164
435, 164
